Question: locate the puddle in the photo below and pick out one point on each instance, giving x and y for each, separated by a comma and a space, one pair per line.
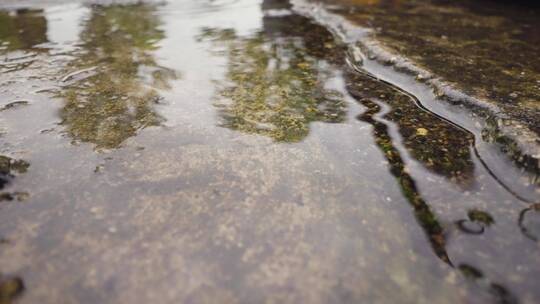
113, 89
244, 152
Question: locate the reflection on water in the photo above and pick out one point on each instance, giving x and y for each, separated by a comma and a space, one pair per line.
120, 77
391, 198
435, 143
275, 88
22, 29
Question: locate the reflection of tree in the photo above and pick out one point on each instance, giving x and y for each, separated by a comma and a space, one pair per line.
110, 106
296, 43
439, 146
22, 29
274, 87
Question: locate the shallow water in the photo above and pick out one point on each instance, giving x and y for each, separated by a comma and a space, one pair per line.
481, 54
236, 152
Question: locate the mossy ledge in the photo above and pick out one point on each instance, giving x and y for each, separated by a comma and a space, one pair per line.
513, 137
516, 137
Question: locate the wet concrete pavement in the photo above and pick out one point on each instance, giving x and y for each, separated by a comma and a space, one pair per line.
244, 152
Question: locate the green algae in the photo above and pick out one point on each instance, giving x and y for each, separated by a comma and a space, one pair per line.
470, 271
10, 289
480, 216
9, 168
117, 98
438, 145
8, 165
477, 222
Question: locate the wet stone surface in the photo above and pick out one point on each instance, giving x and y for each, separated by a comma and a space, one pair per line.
238, 152
485, 49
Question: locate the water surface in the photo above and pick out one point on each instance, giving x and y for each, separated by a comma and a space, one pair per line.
235, 152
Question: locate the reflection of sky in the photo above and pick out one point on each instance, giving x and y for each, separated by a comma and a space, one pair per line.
182, 20
64, 23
